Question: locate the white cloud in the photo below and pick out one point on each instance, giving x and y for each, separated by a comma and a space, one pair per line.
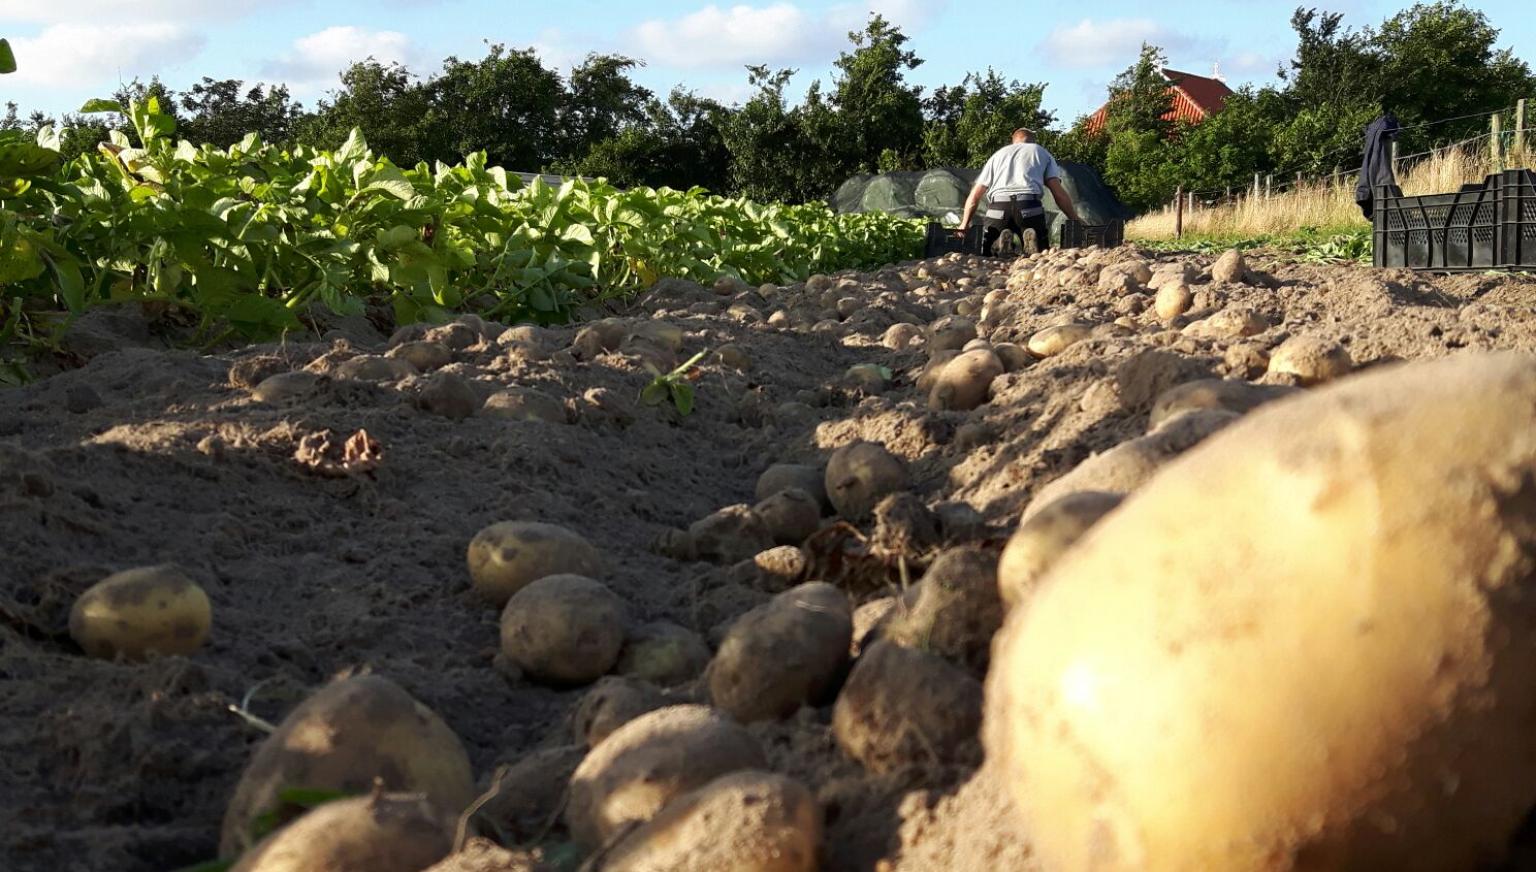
79, 55
1111, 42
316, 59
68, 11
719, 37
557, 49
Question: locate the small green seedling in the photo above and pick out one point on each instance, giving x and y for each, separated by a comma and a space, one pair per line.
674, 386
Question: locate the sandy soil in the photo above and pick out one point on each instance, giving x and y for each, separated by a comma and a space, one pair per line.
137, 453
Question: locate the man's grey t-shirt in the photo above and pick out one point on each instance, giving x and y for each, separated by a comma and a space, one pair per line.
1018, 170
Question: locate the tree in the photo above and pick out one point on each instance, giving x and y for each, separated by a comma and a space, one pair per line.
223, 111
1140, 162
778, 152
679, 146
601, 102
385, 103
879, 111
970, 121
507, 104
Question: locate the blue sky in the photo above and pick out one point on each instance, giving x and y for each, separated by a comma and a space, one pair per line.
70, 50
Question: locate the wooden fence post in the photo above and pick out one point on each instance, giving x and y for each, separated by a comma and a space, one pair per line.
1269, 183
1520, 127
1298, 182
1496, 144
1255, 186
1178, 213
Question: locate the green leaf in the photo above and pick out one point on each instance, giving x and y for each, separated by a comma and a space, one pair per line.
653, 393
92, 107
7, 58
682, 396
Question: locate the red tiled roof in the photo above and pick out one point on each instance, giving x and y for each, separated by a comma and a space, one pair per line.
1194, 98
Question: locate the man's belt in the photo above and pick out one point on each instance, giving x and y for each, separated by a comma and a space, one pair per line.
1023, 201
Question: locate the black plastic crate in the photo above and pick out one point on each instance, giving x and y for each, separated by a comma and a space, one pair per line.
1517, 219
1438, 232
1075, 235
943, 240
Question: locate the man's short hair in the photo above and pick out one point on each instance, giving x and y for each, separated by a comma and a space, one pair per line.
1024, 132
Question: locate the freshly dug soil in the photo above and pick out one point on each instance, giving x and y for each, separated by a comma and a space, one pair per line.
136, 453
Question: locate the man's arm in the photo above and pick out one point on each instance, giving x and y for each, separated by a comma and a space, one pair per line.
970, 205
1063, 199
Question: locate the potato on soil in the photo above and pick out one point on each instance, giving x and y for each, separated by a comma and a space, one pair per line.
651, 761
138, 613
1173, 300
370, 367
964, 382
782, 655
448, 395
899, 336
611, 703
783, 476
1014, 357
524, 404
734, 356
663, 654
1132, 463
1141, 378
425, 356
1311, 360
903, 707
1196, 643
791, 515
522, 796
287, 387
949, 333
341, 738
1054, 340
1039, 542
248, 372
564, 629
662, 333
400, 832
456, 337
731, 534
1231, 395
746, 822
928, 375
956, 610
867, 378
860, 475
507, 556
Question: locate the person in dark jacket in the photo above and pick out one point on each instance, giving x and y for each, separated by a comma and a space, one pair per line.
1376, 168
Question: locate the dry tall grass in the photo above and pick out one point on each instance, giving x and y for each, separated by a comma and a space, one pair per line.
1328, 204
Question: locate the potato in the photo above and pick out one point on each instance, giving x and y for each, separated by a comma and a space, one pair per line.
956, 609
1014, 357
928, 375
522, 796
524, 404
341, 738
1130, 464
399, 832
963, 383
564, 629
611, 703
729, 535
745, 822
373, 368
425, 356
783, 654
899, 336
507, 556
286, 387
1311, 360
860, 475
449, 395
662, 333
1318, 624
456, 337
1044, 538
651, 761
138, 613
1233, 322
1227, 394
867, 378
734, 356
949, 333
903, 707
791, 515
783, 476
663, 654
1054, 340
1173, 300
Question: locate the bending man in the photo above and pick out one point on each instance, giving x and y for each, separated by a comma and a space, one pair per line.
1013, 180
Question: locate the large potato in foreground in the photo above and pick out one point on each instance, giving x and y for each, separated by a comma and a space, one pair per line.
504, 558
744, 822
384, 833
341, 738
1308, 644
139, 612
650, 761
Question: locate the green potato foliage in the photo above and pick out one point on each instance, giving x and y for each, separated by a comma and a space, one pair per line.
246, 238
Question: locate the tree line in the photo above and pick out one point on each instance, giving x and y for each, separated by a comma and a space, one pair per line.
1433, 61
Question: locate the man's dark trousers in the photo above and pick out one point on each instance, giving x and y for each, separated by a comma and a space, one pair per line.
1017, 214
